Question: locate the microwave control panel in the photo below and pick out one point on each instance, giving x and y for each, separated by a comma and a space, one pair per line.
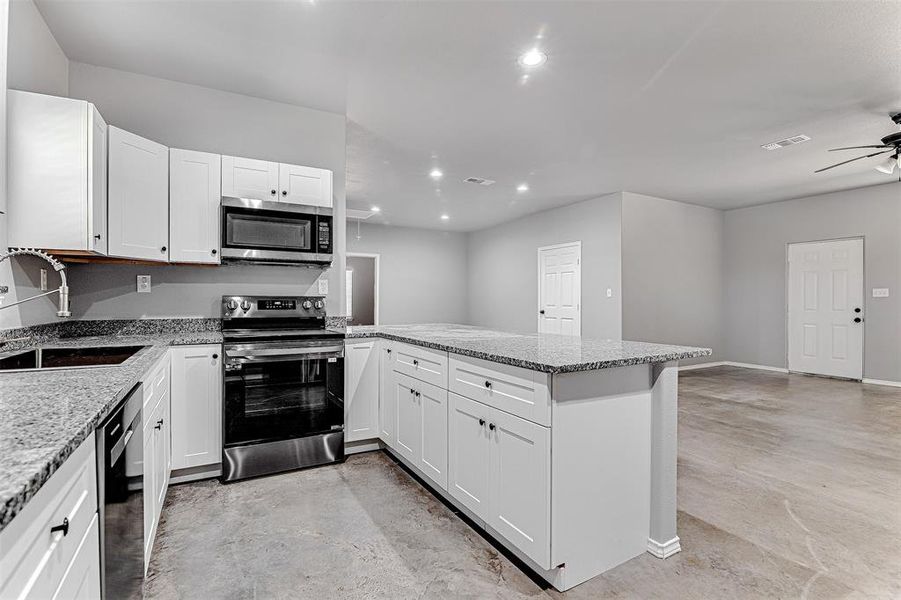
325, 235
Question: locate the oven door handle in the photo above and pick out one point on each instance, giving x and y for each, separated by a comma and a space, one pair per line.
262, 354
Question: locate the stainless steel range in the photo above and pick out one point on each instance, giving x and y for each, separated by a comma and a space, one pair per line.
284, 386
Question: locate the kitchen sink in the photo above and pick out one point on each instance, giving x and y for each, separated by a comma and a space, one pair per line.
68, 358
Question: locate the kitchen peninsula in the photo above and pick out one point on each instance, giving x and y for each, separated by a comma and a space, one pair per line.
562, 448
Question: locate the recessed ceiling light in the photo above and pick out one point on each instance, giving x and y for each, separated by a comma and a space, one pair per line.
532, 58
436, 174
375, 209
522, 187
445, 217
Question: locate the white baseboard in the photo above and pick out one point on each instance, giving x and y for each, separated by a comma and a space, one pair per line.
666, 549
706, 365
361, 446
882, 382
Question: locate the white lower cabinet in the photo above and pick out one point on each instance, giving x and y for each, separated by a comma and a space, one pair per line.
422, 426
40, 559
157, 449
407, 429
196, 406
387, 406
468, 471
361, 390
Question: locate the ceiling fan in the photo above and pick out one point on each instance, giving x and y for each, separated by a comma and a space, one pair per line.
890, 143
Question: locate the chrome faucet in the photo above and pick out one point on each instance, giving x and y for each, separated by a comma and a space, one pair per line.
59, 267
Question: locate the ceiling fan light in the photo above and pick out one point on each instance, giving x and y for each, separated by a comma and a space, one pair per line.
888, 165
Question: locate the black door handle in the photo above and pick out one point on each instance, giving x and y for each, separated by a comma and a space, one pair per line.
482, 422
272, 192
491, 426
215, 356
159, 424
97, 237
857, 319
857, 310
541, 312
213, 251
488, 384
64, 527
415, 363
284, 192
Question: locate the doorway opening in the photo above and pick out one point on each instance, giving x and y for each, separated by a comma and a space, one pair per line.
560, 289
362, 287
825, 321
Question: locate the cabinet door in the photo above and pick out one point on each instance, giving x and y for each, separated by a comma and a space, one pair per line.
162, 453
305, 185
408, 430
196, 406
97, 159
82, 578
149, 489
519, 505
468, 447
138, 197
194, 184
387, 406
433, 457
361, 391
249, 178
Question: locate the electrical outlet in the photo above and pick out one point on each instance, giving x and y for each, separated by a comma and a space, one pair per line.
43, 280
323, 286
880, 292
143, 284
610, 292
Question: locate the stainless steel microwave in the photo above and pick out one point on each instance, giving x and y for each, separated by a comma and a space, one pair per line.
265, 232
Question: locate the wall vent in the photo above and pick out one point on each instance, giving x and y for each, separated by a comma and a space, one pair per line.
357, 214
479, 181
791, 141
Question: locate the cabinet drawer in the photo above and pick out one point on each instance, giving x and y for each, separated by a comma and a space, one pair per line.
515, 390
421, 363
34, 560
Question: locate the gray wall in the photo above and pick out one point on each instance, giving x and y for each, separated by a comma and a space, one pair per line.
36, 62
503, 266
755, 247
198, 118
672, 273
363, 298
422, 272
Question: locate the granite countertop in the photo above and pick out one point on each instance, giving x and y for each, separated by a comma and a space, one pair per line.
46, 415
548, 353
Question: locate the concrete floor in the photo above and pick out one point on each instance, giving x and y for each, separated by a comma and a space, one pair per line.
789, 487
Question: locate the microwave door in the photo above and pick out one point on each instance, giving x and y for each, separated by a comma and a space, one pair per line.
268, 233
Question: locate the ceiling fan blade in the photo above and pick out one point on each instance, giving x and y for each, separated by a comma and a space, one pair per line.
852, 160
858, 147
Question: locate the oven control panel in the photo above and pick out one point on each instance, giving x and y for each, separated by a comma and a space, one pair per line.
261, 307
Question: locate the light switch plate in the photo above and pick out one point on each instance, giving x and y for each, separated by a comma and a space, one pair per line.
880, 292
610, 292
143, 284
323, 286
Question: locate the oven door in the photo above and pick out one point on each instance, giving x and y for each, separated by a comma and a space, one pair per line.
274, 391
259, 231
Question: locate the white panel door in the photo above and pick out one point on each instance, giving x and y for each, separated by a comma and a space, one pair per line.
387, 406
433, 458
305, 185
194, 195
520, 493
560, 289
408, 431
138, 197
97, 176
467, 461
82, 578
825, 308
196, 405
361, 390
249, 178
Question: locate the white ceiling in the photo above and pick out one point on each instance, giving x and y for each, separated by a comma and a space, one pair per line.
671, 99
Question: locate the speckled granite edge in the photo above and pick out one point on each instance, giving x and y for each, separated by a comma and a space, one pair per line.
336, 323
574, 367
16, 496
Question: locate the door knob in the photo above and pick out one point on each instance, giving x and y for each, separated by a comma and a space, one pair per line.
215, 356
163, 249
415, 363
482, 422
857, 319
273, 192
857, 310
491, 426
213, 251
488, 384
284, 192
541, 312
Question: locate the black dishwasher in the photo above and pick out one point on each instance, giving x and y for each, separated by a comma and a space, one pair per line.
120, 499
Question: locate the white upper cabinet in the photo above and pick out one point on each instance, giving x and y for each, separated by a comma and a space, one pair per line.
361, 390
138, 197
194, 184
57, 160
305, 185
249, 178
279, 182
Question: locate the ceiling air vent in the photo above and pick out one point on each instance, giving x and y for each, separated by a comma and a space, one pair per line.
795, 139
358, 215
479, 181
